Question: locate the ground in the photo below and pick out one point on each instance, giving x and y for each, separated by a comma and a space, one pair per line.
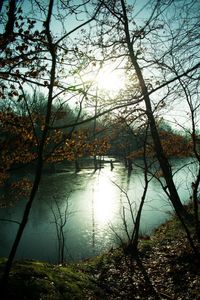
165, 268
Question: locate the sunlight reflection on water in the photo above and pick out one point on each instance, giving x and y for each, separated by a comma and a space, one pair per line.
95, 204
104, 198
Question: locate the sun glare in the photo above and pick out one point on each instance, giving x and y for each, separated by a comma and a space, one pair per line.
111, 81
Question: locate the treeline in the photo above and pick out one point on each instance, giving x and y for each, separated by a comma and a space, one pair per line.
20, 135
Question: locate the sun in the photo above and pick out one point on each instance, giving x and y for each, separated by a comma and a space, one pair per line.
110, 81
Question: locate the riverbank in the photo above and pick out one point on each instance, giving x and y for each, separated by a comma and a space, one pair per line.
166, 268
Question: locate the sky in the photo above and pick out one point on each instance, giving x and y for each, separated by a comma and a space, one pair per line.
140, 12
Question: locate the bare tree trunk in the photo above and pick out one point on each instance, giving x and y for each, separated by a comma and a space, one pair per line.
60, 222
195, 184
38, 173
21, 228
164, 163
135, 234
77, 167
8, 33
196, 205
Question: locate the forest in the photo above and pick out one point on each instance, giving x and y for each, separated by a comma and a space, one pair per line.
87, 84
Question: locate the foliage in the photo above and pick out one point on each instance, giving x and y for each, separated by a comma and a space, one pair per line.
79, 145
20, 136
174, 145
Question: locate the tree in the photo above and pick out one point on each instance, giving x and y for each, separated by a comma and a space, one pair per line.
131, 41
35, 58
164, 163
57, 60
131, 246
189, 90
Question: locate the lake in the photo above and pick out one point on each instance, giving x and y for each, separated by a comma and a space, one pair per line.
91, 203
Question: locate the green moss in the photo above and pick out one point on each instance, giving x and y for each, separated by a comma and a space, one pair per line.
36, 280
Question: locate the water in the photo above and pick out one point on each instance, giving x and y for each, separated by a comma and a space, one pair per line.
92, 205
